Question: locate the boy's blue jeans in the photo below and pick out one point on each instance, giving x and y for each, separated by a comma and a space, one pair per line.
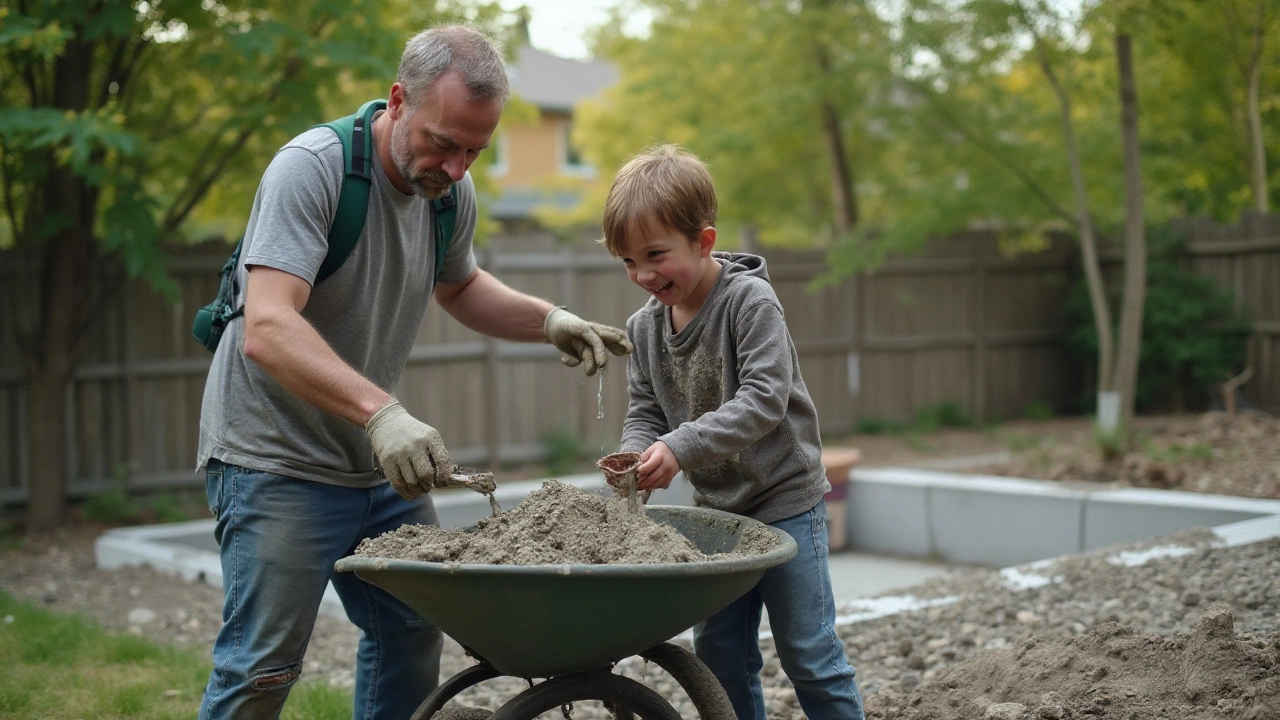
279, 538
802, 617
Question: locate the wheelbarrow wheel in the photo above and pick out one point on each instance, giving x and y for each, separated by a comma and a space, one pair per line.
434, 703
624, 694
704, 690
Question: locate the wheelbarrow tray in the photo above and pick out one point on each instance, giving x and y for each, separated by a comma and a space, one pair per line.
545, 620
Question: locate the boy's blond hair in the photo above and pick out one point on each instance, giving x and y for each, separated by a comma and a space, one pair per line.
666, 186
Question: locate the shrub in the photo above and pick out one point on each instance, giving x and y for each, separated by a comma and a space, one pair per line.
1038, 410
1191, 336
563, 451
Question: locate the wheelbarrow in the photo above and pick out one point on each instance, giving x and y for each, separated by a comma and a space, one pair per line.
570, 624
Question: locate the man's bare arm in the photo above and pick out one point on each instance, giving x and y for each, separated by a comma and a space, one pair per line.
486, 305
279, 339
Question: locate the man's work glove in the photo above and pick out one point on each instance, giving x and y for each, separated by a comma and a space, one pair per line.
411, 453
583, 342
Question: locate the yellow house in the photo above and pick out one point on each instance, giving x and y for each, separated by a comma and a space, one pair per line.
535, 162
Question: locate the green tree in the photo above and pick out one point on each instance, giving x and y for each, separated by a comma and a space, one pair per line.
118, 120
980, 47
1218, 89
784, 100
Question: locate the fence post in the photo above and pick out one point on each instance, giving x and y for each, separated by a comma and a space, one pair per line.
492, 391
978, 251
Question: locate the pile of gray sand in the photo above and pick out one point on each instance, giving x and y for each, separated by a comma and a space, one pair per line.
1109, 672
555, 525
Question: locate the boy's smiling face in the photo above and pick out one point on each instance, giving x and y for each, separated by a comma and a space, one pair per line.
679, 272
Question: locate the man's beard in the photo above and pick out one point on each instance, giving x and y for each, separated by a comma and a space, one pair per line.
431, 184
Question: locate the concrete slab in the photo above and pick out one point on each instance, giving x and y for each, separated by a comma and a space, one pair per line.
859, 575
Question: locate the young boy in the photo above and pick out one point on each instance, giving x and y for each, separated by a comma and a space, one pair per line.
716, 392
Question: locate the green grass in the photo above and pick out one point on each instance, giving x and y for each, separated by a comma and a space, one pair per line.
926, 420
65, 667
1179, 452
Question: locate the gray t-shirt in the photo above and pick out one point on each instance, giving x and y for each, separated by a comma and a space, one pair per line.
369, 311
726, 395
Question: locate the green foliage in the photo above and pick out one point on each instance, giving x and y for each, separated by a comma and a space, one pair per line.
1197, 450
926, 420
1192, 337
745, 85
947, 117
118, 506
1111, 446
127, 128
1020, 443
167, 507
1038, 410
113, 506
563, 450
944, 415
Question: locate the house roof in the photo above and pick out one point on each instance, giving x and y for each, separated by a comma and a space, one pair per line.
556, 83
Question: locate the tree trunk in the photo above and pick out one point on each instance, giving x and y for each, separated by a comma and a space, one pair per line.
46, 445
65, 288
1088, 243
1258, 153
1135, 244
845, 203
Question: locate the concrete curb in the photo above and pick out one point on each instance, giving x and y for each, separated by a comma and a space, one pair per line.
999, 521
976, 520
188, 549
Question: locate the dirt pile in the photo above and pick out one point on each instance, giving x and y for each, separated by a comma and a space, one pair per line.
554, 525
1109, 672
1216, 453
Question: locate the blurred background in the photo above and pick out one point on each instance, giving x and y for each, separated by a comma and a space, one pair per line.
953, 196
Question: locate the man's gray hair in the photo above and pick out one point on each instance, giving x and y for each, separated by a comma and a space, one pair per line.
453, 48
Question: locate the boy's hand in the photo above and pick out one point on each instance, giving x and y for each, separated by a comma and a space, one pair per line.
582, 342
658, 466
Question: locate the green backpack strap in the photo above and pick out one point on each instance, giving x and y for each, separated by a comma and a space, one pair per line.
356, 133
444, 213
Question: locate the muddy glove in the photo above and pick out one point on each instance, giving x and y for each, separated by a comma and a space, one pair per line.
583, 342
411, 453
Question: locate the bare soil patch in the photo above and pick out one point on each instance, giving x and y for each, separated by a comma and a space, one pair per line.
1211, 453
1192, 635
1208, 453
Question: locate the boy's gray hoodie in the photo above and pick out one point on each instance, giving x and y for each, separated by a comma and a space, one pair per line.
725, 394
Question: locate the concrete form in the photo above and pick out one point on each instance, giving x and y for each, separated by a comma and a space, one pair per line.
904, 526
999, 521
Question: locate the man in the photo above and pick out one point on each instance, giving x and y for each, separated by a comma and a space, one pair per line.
298, 416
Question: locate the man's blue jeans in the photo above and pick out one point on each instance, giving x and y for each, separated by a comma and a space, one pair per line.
279, 538
802, 617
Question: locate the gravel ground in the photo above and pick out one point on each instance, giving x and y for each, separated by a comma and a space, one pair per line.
900, 658
1200, 622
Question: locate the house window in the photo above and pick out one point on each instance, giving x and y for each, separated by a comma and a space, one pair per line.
498, 156
570, 158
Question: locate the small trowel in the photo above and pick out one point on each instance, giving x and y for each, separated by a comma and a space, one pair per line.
479, 480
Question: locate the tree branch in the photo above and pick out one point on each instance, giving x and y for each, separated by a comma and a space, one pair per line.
991, 150
7, 183
197, 186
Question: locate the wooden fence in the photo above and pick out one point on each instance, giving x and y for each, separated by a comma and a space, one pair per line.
958, 324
